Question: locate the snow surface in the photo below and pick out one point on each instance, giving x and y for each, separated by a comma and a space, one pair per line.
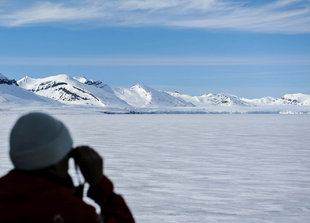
12, 96
198, 168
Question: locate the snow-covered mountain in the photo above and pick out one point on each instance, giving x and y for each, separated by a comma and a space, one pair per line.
232, 100
10, 93
287, 99
296, 99
138, 98
71, 91
82, 91
211, 99
144, 96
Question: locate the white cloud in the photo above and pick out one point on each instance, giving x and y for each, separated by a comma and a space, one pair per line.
45, 12
147, 4
281, 16
263, 19
282, 3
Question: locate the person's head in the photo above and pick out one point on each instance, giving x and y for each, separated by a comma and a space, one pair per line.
39, 141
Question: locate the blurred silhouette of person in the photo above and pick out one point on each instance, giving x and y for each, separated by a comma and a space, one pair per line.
39, 188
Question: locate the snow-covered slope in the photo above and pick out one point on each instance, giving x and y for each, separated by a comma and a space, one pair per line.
211, 99
260, 101
10, 94
95, 83
144, 96
71, 91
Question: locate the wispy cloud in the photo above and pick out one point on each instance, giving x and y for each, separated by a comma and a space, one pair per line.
280, 16
152, 61
47, 12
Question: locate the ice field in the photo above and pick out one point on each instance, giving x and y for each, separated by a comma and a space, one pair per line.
198, 168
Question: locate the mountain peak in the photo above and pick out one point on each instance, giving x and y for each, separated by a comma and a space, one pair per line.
141, 95
140, 86
55, 78
26, 78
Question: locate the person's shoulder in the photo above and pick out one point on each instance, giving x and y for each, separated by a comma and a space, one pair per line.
45, 195
9, 179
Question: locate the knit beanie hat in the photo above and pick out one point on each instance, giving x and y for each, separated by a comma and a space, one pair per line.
38, 140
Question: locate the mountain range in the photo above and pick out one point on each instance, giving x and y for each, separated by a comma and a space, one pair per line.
63, 89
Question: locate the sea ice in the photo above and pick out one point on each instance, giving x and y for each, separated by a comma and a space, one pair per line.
198, 168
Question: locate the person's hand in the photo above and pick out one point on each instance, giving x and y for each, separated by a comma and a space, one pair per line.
90, 163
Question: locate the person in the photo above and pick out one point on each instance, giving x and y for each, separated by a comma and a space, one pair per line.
39, 188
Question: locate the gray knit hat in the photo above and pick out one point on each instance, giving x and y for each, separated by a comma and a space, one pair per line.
38, 140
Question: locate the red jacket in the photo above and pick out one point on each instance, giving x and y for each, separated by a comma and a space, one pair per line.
30, 198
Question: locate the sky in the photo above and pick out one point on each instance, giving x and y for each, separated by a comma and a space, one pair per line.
247, 48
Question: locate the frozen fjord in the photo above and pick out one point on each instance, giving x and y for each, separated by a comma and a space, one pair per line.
199, 168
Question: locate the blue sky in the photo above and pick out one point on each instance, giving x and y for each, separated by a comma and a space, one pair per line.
246, 48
